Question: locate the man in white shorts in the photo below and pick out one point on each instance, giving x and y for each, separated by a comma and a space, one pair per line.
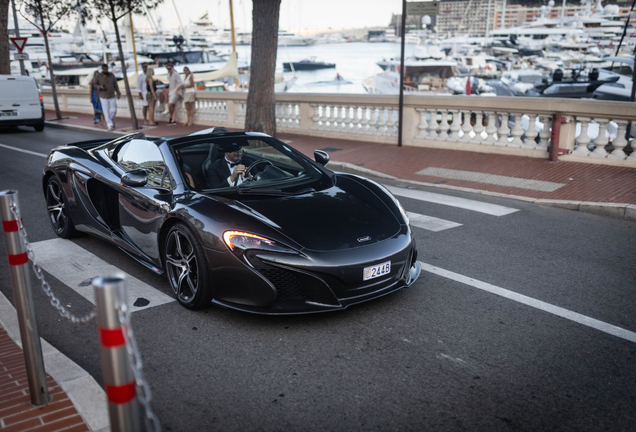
108, 88
142, 88
174, 96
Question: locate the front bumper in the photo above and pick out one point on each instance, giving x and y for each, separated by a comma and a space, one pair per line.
274, 283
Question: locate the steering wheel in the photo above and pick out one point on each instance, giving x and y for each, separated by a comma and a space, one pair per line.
249, 168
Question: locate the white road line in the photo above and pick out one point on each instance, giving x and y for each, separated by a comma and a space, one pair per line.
23, 151
75, 267
478, 206
430, 223
538, 304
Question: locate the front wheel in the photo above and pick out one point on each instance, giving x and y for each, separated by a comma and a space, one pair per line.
187, 268
57, 207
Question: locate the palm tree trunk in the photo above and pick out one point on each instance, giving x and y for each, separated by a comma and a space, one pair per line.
58, 114
131, 103
260, 113
5, 62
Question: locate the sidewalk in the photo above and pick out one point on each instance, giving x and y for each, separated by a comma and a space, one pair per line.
600, 189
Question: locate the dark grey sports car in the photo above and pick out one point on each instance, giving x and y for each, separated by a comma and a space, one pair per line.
282, 234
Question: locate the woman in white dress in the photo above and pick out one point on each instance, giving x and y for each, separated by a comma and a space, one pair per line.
188, 95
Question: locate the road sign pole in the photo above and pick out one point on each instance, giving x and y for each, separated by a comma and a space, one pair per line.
17, 33
401, 104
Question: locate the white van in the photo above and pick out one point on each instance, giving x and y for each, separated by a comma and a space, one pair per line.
21, 102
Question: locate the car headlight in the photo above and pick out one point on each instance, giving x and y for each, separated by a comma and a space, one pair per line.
240, 241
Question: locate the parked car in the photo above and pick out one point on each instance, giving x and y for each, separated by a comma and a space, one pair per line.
21, 103
293, 237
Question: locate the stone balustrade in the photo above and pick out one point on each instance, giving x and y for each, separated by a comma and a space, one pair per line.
591, 131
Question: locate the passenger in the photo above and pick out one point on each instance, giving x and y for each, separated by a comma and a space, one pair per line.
187, 171
226, 171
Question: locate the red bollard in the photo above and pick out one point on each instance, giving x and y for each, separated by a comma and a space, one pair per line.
20, 277
119, 380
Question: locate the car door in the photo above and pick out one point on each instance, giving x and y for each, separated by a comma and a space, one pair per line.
142, 208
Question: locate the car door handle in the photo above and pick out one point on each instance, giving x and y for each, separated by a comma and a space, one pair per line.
15, 104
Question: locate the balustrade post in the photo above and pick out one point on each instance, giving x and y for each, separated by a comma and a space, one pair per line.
443, 126
619, 142
479, 127
517, 132
601, 140
422, 125
545, 133
491, 129
433, 125
381, 121
583, 139
531, 133
466, 126
503, 130
455, 126
373, 121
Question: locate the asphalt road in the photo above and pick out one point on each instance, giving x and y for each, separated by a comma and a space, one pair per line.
441, 355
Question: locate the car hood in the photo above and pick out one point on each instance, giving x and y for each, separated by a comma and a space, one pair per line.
341, 217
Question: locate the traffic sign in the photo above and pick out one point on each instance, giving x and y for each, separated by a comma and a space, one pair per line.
19, 42
423, 8
21, 56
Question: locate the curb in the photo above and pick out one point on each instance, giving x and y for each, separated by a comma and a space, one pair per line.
613, 210
77, 128
88, 398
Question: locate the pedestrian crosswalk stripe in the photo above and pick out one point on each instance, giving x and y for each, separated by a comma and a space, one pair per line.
430, 223
75, 267
478, 206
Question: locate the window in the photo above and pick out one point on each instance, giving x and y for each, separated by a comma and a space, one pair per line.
141, 154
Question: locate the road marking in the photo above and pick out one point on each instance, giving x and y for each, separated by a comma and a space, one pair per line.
538, 185
75, 267
24, 151
478, 206
529, 301
430, 223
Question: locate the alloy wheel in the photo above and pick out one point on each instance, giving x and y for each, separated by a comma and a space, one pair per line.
56, 207
182, 266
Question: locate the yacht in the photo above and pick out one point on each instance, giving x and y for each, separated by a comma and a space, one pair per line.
290, 39
620, 90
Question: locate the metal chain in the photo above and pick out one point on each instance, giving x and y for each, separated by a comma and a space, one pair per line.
136, 364
55, 302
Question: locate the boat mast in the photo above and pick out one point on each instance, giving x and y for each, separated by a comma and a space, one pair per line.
236, 82
132, 35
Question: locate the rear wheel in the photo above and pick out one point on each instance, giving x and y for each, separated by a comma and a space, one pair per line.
39, 127
57, 207
187, 268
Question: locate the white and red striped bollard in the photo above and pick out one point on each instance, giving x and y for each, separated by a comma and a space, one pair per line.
119, 380
20, 278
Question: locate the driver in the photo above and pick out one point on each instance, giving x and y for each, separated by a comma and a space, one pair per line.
226, 171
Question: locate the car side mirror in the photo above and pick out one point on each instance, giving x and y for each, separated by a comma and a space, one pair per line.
136, 178
321, 157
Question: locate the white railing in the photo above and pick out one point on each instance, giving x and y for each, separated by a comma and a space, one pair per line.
592, 132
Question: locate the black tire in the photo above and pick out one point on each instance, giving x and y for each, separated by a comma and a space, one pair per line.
39, 127
187, 268
57, 208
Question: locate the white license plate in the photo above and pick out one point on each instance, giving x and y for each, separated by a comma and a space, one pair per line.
377, 270
9, 114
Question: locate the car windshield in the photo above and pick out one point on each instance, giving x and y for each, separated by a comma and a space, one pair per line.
266, 166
